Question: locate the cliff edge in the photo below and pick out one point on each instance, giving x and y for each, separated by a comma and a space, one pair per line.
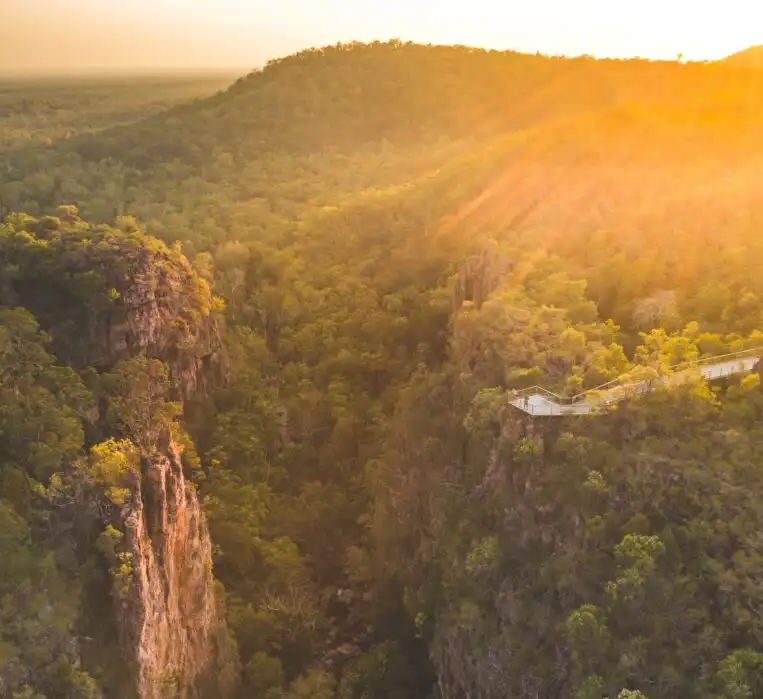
138, 324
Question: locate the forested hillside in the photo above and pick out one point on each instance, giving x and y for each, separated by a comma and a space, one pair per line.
396, 237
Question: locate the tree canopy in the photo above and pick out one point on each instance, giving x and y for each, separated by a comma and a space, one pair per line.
394, 238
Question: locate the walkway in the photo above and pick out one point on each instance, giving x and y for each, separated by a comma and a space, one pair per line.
537, 401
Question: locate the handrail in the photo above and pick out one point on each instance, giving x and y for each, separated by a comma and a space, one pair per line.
683, 366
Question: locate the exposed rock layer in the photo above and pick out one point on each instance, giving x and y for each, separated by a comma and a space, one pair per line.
164, 313
170, 619
104, 296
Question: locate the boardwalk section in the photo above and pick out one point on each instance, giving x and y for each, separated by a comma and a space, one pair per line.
537, 401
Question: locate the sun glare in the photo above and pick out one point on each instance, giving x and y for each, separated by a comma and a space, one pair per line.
249, 32
650, 28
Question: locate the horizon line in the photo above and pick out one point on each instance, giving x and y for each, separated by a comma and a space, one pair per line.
41, 72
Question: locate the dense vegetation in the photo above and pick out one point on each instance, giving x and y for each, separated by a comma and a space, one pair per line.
400, 235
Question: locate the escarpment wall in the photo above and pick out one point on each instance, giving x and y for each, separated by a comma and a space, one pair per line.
170, 622
104, 295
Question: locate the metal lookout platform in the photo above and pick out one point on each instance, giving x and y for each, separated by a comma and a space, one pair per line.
537, 401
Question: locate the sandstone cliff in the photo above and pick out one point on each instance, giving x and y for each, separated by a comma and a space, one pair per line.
106, 295
170, 620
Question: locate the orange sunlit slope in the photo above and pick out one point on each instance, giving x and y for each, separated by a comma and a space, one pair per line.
630, 150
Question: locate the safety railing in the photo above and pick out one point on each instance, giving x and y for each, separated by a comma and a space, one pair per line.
638, 380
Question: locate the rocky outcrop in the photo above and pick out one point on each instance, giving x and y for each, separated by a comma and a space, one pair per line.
164, 312
479, 276
104, 295
170, 622
170, 625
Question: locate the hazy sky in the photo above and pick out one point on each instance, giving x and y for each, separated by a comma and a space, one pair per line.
71, 35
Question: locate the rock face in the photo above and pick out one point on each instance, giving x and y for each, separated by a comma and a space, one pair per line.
479, 276
170, 622
105, 295
164, 312
171, 627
